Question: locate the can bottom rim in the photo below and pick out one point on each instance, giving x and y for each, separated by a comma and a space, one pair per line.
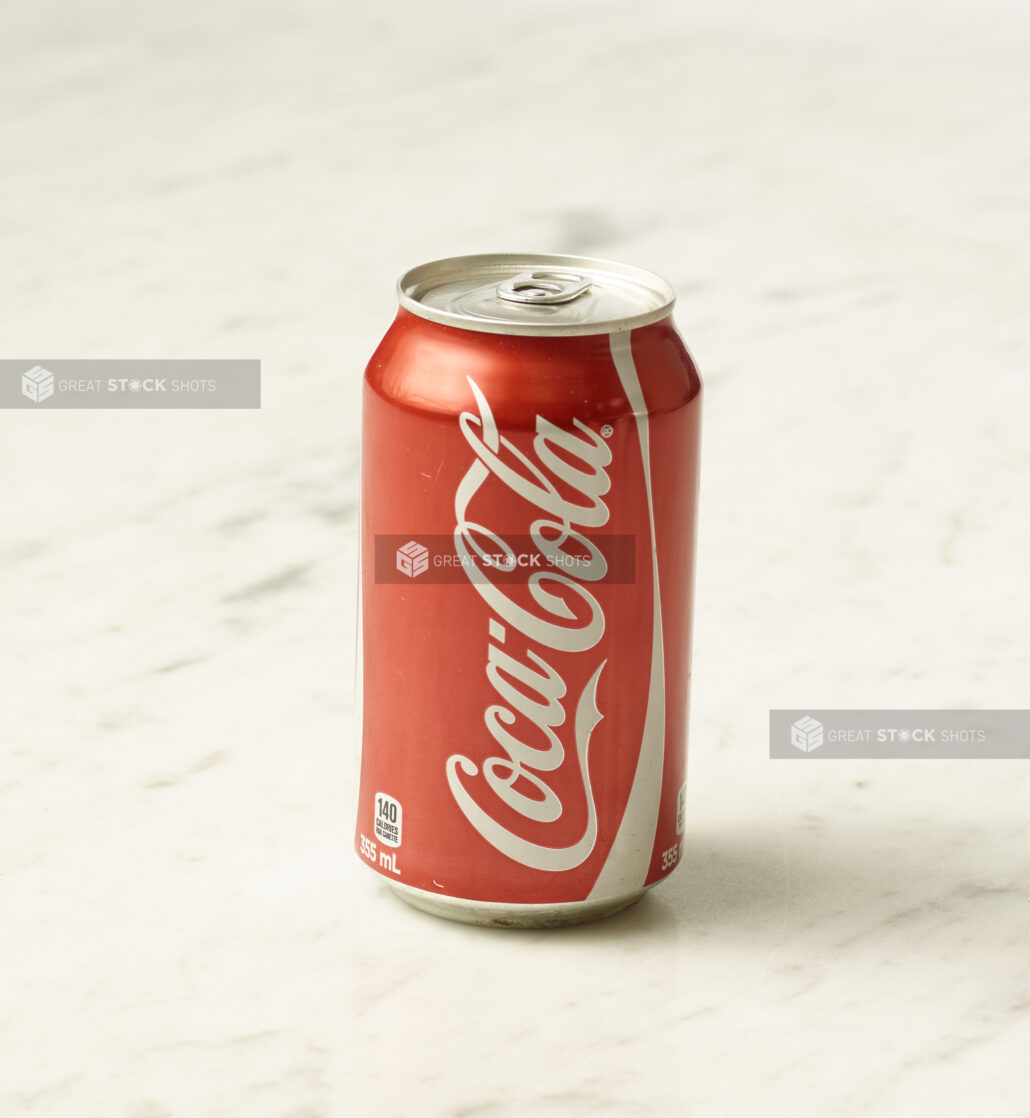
494, 914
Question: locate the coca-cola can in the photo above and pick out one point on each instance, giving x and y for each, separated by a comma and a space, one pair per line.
531, 429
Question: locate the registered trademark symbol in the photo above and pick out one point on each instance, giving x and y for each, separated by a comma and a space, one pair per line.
607, 431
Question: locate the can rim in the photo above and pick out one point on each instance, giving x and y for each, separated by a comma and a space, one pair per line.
416, 281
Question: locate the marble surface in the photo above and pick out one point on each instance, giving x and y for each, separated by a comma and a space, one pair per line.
839, 193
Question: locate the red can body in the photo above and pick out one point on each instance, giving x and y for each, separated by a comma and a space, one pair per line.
524, 722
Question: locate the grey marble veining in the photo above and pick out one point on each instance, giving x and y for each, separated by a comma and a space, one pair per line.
839, 193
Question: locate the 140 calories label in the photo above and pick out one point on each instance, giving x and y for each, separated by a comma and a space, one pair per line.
388, 818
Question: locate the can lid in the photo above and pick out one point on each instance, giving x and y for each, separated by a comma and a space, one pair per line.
535, 293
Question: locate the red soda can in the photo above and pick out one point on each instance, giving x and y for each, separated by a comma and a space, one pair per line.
531, 430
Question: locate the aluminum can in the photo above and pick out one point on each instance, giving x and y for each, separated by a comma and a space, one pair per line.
529, 488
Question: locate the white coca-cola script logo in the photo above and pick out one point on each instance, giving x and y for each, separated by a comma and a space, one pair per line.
564, 617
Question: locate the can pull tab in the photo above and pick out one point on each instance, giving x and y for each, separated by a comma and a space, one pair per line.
544, 287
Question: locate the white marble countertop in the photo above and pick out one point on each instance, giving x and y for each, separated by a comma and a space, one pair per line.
840, 195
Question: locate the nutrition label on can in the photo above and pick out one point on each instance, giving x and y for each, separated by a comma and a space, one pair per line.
388, 817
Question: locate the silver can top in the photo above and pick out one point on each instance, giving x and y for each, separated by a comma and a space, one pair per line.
535, 293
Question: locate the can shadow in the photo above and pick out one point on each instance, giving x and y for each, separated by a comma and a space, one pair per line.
720, 875
725, 875
742, 882
747, 884
752, 885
